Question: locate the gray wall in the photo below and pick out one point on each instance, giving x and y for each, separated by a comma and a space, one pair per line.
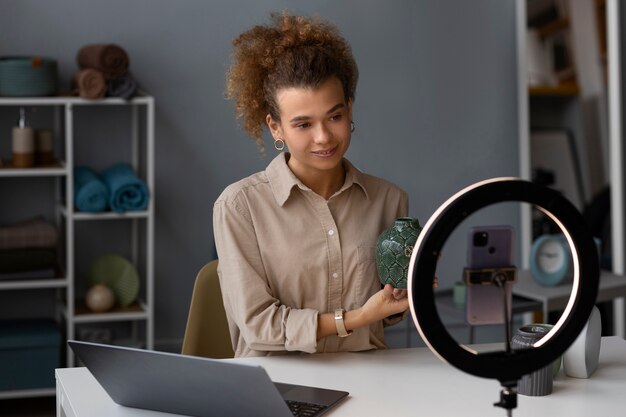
436, 106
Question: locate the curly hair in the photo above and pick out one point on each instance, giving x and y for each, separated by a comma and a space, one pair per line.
294, 51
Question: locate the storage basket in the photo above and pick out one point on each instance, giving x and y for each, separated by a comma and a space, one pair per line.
23, 76
29, 353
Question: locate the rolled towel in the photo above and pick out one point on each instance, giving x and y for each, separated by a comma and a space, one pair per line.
89, 83
124, 87
111, 59
127, 192
90, 193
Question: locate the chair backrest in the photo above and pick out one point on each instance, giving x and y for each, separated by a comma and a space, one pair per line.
207, 331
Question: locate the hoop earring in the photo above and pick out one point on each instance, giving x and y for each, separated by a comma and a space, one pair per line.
352, 127
279, 146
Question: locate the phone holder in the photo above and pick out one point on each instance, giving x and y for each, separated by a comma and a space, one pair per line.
489, 276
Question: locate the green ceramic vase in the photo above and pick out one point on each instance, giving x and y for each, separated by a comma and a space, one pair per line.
393, 251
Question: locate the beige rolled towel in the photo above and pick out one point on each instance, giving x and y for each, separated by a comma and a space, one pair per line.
89, 83
110, 59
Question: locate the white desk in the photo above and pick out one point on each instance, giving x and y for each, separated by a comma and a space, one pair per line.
611, 287
396, 382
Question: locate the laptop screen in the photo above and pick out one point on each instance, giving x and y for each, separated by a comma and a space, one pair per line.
191, 385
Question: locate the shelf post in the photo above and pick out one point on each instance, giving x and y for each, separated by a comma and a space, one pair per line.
616, 161
69, 224
150, 222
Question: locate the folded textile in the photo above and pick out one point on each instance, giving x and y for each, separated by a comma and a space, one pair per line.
111, 59
89, 83
27, 259
124, 87
32, 233
127, 192
90, 192
45, 273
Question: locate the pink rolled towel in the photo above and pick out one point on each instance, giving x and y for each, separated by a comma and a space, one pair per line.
110, 59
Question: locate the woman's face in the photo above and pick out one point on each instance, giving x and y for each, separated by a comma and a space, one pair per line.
315, 125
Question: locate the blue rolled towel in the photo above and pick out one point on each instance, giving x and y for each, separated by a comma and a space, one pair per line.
127, 192
90, 193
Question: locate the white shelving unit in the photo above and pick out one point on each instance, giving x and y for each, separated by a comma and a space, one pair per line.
616, 154
141, 144
616, 151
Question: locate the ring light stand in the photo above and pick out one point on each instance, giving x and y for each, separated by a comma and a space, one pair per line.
506, 367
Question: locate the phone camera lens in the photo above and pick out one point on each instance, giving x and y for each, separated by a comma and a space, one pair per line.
481, 239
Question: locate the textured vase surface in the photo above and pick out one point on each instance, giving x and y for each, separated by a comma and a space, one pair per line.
393, 251
539, 382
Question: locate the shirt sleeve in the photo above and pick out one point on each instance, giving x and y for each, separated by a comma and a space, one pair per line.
264, 323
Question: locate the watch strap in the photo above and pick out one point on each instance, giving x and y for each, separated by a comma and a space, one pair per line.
339, 323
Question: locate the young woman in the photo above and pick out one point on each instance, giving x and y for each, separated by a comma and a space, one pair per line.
296, 242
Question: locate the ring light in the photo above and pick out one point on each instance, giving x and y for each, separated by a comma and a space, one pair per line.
507, 367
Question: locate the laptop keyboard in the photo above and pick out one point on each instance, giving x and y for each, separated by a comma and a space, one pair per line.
300, 409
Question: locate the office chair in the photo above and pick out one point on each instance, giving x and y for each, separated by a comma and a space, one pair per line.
207, 331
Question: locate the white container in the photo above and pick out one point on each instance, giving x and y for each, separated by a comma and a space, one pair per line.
581, 359
23, 147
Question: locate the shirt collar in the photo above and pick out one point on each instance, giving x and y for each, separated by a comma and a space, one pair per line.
282, 180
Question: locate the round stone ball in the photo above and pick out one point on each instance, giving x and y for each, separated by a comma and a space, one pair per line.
100, 298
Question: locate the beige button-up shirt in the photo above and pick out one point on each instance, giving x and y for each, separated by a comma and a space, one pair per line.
286, 254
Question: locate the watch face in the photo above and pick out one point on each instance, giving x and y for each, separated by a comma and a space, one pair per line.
550, 256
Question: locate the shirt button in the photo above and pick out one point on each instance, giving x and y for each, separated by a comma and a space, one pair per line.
335, 275
331, 232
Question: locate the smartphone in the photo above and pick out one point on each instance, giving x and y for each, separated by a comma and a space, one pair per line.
488, 247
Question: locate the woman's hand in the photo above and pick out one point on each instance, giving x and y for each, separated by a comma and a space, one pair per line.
385, 303
379, 306
399, 293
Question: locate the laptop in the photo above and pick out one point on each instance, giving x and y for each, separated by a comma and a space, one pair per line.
196, 386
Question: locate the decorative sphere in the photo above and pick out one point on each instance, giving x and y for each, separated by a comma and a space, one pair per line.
393, 251
100, 298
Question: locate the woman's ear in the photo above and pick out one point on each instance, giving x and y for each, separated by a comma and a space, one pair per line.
273, 126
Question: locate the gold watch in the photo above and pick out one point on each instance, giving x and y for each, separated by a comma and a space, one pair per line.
341, 327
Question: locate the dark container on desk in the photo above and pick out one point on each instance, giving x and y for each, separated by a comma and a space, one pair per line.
29, 353
539, 382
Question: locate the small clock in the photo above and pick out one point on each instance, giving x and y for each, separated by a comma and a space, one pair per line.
551, 260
